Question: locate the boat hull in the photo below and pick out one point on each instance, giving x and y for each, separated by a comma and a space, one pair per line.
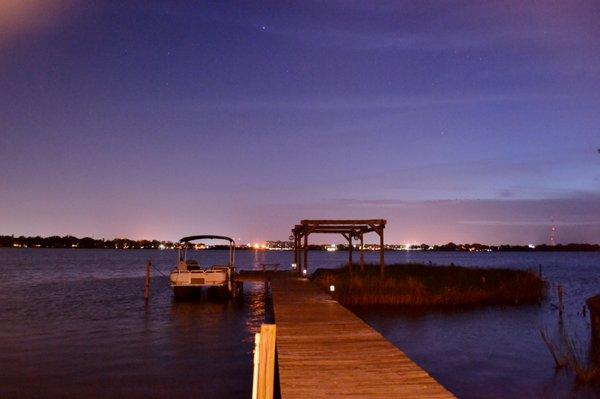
218, 293
181, 293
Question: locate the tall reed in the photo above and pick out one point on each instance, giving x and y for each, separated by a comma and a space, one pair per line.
417, 284
571, 354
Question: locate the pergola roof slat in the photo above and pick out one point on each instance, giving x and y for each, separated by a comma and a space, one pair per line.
342, 221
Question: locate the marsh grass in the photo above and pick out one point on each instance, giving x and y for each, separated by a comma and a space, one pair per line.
425, 285
570, 354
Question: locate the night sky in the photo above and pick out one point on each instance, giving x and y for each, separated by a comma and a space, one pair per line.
455, 121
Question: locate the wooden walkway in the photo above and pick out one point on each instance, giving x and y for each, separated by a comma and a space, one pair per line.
324, 350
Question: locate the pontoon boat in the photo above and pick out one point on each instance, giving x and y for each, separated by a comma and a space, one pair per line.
189, 278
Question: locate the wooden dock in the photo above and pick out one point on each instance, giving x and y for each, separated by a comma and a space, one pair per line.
324, 350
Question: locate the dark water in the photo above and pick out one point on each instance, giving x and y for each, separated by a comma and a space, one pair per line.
497, 352
73, 324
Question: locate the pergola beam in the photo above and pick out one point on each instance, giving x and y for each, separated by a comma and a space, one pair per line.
343, 221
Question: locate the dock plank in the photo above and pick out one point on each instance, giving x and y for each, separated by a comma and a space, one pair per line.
324, 350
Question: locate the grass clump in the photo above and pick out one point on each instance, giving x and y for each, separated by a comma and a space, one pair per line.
570, 354
425, 285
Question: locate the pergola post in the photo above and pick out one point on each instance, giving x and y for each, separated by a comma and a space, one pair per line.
299, 265
350, 252
362, 253
295, 249
305, 253
381, 254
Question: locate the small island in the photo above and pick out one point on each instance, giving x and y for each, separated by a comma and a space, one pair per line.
429, 285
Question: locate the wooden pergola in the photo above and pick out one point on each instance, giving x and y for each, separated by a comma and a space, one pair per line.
350, 229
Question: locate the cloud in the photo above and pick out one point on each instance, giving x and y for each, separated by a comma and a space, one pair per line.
378, 103
490, 221
446, 28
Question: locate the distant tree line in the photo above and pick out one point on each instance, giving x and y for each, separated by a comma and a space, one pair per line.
510, 248
85, 242
125, 243
479, 247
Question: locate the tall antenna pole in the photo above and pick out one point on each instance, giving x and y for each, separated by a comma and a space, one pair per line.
553, 236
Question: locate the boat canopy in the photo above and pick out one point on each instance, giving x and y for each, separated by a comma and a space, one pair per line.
206, 237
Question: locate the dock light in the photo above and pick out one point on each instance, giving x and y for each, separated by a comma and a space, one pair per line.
304, 272
332, 288
294, 266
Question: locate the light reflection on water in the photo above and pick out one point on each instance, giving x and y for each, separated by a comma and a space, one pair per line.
74, 324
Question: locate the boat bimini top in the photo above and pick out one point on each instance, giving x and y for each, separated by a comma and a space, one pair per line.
187, 240
206, 237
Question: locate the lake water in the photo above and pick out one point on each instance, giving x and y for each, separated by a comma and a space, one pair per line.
74, 324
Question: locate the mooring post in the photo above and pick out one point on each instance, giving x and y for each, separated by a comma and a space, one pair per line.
147, 283
559, 291
593, 305
540, 270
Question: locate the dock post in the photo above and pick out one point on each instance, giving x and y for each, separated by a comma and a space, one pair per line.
593, 305
256, 362
559, 292
540, 270
264, 363
147, 283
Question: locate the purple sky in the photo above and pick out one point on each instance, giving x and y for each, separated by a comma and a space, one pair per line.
455, 122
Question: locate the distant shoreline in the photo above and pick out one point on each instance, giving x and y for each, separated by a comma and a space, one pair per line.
125, 243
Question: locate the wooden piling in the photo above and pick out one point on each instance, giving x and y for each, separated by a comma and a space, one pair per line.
593, 305
256, 363
559, 292
266, 362
147, 282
